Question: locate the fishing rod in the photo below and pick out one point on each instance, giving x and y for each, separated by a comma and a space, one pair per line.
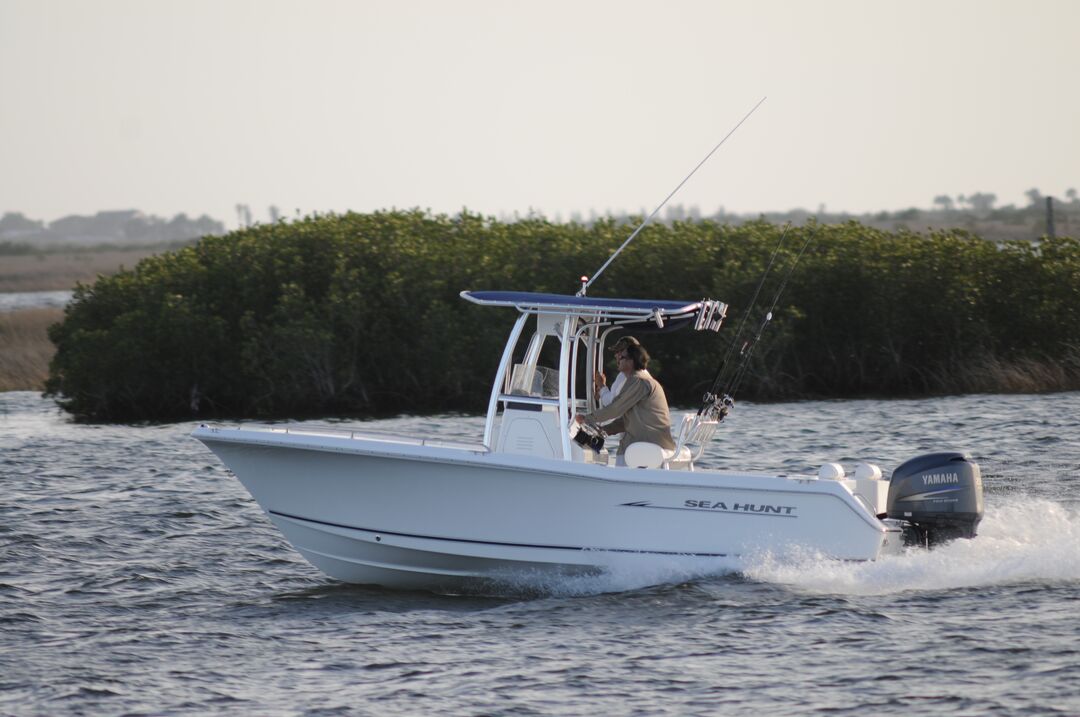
746, 316
719, 403
586, 282
737, 379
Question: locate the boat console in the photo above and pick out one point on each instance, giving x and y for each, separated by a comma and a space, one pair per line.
545, 377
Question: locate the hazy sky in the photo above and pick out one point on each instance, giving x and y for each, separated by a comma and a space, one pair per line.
197, 105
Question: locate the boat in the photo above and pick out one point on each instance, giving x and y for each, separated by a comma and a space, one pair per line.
539, 495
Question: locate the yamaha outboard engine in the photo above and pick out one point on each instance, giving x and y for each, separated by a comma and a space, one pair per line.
938, 497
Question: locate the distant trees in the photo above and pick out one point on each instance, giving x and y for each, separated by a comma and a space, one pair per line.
243, 215
977, 212
979, 202
123, 227
982, 202
13, 223
944, 201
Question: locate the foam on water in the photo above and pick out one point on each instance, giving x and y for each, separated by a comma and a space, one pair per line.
621, 573
1020, 540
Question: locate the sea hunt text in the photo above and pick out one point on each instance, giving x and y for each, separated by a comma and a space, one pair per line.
720, 505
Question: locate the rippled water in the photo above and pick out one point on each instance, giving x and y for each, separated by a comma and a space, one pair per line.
138, 577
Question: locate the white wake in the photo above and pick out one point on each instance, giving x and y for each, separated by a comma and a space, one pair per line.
1020, 540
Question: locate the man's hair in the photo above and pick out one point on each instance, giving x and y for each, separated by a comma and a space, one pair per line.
624, 342
638, 355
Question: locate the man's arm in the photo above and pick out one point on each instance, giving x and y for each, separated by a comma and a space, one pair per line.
634, 390
614, 427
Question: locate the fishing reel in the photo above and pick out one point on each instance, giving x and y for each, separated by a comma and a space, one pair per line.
590, 437
716, 407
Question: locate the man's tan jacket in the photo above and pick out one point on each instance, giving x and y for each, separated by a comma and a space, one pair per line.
641, 411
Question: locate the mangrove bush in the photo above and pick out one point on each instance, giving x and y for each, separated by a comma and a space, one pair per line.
359, 314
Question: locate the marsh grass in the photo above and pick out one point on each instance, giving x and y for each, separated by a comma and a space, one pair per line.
25, 349
1025, 375
59, 271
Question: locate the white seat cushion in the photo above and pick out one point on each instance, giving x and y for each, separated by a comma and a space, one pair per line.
644, 455
650, 455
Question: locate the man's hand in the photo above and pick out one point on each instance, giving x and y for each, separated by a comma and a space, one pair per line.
599, 380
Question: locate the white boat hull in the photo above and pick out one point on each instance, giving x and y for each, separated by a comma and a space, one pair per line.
404, 514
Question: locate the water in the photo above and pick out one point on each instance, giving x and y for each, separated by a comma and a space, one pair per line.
19, 300
138, 577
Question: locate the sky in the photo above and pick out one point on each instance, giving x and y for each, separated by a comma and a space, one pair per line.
556, 107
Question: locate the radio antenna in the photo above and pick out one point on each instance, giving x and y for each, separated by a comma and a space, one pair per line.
585, 286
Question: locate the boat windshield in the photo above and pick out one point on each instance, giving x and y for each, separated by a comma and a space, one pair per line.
539, 381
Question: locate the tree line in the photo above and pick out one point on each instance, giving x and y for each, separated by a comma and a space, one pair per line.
359, 314
21, 235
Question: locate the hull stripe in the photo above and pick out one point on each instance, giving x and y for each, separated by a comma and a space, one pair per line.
493, 542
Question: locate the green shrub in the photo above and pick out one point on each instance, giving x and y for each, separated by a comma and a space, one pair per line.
359, 314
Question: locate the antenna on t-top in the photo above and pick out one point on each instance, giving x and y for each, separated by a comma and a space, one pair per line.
586, 282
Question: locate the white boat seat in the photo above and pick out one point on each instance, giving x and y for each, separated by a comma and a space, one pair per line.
643, 454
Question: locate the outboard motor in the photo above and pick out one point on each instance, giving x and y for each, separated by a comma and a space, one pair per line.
938, 497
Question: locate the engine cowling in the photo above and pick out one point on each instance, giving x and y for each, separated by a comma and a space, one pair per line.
939, 495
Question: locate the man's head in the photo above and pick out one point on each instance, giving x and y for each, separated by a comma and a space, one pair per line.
623, 342
630, 354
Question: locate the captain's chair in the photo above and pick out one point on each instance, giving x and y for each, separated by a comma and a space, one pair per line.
694, 433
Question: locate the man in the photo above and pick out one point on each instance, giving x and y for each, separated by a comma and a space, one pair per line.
607, 395
640, 409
